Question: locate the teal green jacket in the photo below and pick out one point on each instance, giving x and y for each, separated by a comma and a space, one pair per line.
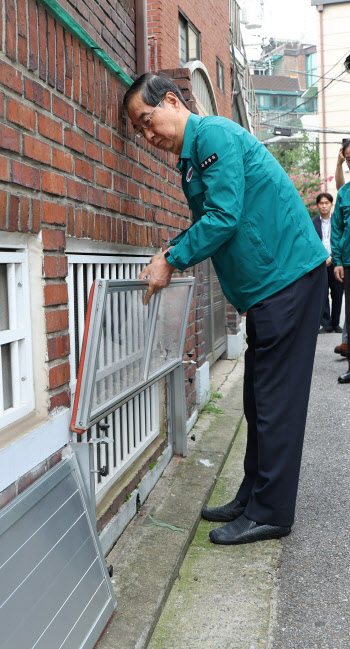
247, 215
340, 233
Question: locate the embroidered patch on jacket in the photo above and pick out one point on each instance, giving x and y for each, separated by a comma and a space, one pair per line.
209, 161
189, 174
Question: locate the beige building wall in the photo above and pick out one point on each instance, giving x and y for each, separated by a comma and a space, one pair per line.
334, 101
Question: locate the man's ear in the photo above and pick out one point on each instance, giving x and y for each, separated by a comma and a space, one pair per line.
172, 98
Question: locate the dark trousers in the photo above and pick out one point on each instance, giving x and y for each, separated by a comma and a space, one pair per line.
347, 305
331, 316
281, 338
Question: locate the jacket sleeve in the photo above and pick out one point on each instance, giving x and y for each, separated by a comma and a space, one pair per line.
337, 232
223, 182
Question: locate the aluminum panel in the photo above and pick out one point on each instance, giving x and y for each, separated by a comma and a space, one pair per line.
54, 587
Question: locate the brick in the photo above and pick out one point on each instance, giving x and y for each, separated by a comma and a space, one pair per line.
14, 214
25, 175
76, 190
62, 160
2, 107
56, 321
84, 170
3, 210
104, 135
21, 114
37, 93
7, 495
110, 160
76, 70
74, 140
54, 240
119, 145
53, 213
29, 478
96, 197
60, 56
112, 202
9, 138
59, 375
24, 214
50, 128
51, 51
53, 183
36, 215
55, 267
103, 178
85, 123
10, 27
33, 36
36, 150
71, 221
125, 167
22, 32
69, 64
93, 151
42, 42
62, 109
61, 400
56, 457
83, 76
56, 294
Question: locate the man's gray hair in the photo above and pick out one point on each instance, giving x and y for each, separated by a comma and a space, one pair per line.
153, 88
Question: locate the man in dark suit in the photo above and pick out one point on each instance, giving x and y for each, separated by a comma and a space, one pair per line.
323, 223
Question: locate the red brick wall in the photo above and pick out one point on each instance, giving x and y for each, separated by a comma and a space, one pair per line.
68, 165
211, 19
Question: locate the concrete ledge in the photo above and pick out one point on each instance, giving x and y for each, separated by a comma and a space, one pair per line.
147, 557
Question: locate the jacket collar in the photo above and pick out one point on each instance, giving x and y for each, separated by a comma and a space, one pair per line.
190, 129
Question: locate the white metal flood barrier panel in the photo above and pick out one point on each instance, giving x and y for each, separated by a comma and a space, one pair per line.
55, 591
136, 424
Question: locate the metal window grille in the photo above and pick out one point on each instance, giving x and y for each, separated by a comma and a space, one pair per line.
136, 424
16, 373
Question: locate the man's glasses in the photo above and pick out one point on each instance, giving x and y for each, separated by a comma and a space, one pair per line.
146, 123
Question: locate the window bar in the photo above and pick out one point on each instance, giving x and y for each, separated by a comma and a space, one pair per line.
1, 385
80, 305
70, 280
124, 421
14, 357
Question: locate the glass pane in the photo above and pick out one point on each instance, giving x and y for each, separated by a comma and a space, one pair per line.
120, 359
4, 307
6, 376
193, 44
168, 326
182, 42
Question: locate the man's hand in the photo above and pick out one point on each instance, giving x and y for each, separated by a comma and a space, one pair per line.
159, 271
341, 158
329, 260
339, 273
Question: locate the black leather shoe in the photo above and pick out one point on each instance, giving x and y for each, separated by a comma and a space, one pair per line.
337, 330
223, 514
325, 330
243, 530
344, 378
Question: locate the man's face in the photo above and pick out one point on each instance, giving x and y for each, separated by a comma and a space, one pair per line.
324, 207
347, 156
164, 127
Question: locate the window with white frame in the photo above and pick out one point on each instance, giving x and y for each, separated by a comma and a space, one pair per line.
189, 43
16, 372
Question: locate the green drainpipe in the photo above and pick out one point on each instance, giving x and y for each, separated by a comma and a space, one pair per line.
71, 25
